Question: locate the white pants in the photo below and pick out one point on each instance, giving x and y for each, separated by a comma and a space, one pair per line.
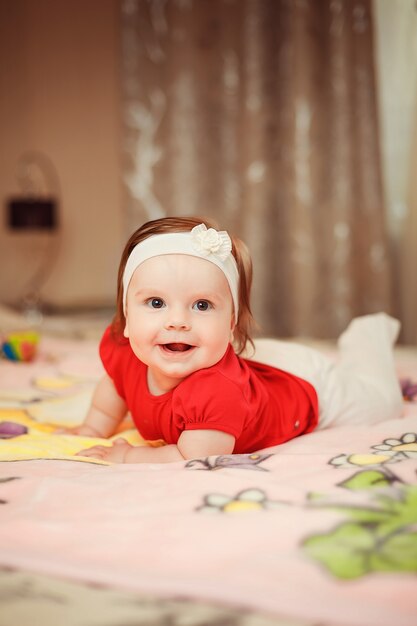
360, 386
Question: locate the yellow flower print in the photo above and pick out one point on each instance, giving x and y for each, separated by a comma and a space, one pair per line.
405, 447
363, 460
243, 502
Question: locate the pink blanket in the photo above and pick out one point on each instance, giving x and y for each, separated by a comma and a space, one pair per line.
322, 528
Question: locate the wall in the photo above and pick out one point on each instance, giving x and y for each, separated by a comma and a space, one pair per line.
59, 80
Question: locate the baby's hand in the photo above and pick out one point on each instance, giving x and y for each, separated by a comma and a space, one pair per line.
114, 454
82, 429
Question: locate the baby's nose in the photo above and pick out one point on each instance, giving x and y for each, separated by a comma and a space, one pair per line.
177, 325
177, 320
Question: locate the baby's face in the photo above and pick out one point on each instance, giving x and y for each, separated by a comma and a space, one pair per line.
179, 317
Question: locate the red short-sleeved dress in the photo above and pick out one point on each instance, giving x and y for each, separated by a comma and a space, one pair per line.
259, 405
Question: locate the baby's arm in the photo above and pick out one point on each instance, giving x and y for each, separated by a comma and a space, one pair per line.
192, 444
106, 412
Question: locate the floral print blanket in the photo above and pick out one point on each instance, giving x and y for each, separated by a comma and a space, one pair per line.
322, 529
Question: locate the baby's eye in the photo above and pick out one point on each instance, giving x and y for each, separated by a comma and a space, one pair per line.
155, 303
202, 305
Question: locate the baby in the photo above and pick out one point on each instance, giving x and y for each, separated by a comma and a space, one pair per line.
174, 360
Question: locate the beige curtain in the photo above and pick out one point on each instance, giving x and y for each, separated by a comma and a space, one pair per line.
409, 252
395, 24
262, 114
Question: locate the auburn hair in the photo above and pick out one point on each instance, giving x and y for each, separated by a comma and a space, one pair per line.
243, 329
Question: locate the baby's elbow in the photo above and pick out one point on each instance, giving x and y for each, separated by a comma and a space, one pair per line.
194, 444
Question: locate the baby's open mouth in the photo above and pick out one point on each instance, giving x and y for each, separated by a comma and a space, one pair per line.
177, 347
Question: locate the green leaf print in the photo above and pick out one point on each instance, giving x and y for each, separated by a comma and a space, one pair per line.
380, 537
343, 551
366, 480
396, 554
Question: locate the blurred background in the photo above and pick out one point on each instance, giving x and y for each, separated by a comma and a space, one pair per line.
293, 123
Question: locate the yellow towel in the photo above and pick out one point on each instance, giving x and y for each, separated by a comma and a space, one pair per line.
42, 442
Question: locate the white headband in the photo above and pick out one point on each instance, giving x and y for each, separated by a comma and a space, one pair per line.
210, 244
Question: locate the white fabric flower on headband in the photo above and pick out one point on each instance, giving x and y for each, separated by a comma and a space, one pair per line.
211, 241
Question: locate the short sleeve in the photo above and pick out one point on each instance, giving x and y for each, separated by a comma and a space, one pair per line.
112, 356
209, 400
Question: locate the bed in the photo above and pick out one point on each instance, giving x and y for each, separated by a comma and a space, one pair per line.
320, 530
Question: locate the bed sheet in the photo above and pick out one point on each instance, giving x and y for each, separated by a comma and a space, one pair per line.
322, 529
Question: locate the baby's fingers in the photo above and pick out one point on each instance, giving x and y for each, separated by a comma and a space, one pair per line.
97, 452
